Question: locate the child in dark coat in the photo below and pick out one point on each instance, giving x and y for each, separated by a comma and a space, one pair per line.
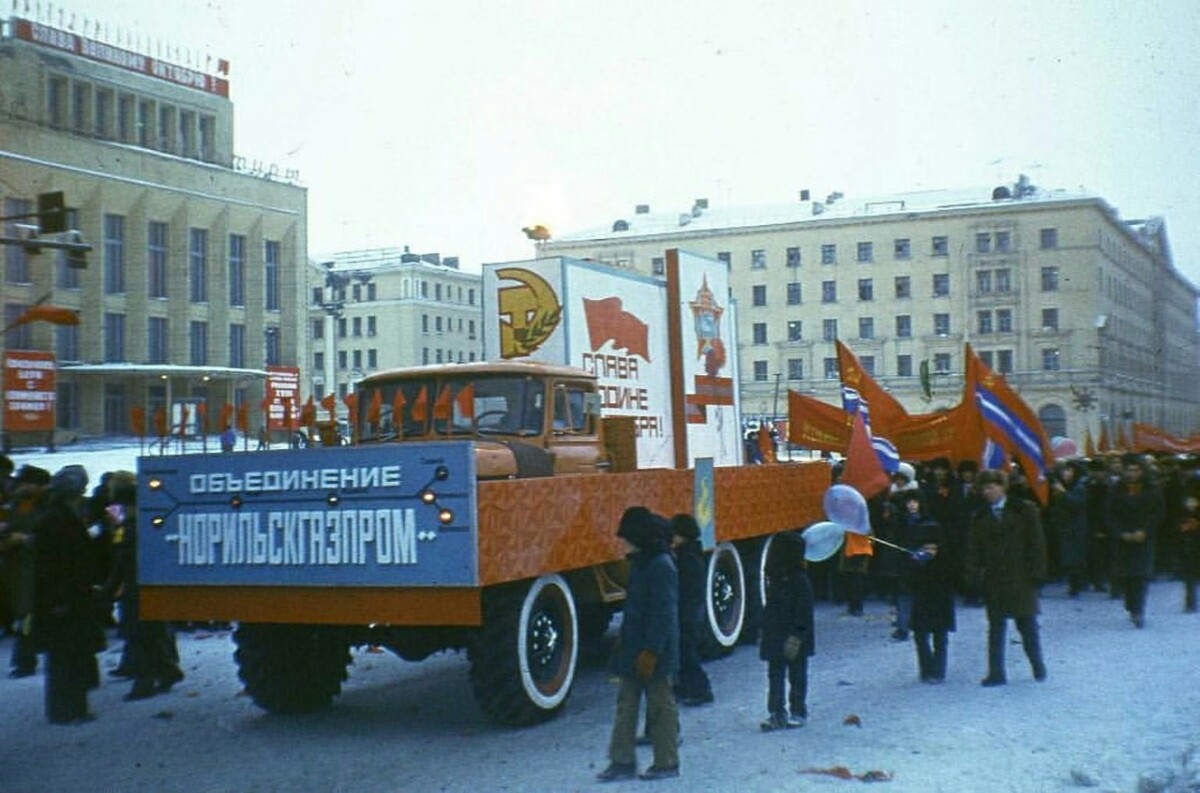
930, 577
787, 634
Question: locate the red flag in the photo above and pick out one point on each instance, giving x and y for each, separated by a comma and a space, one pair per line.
44, 313
375, 408
863, 470
308, 415
398, 407
441, 406
243, 417
351, 403
202, 416
329, 402
137, 418
288, 417
183, 420
160, 422
420, 408
887, 414
608, 321
465, 401
1103, 445
766, 444
226, 414
1089, 448
814, 424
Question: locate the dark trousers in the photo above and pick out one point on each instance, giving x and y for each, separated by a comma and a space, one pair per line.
931, 660
1028, 628
693, 680
24, 657
68, 674
796, 674
1189, 593
662, 722
1135, 595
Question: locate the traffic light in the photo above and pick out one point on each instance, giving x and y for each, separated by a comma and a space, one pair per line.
51, 212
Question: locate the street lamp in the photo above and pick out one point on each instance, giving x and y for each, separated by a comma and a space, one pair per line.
775, 405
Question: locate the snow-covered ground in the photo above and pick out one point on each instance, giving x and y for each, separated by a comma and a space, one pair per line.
1120, 707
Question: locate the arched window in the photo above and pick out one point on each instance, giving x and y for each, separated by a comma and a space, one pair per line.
1054, 420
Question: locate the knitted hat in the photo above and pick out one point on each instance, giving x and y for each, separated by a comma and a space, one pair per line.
685, 526
69, 480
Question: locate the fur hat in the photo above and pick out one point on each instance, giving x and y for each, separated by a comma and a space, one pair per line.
121, 488
32, 475
70, 480
992, 477
641, 527
685, 526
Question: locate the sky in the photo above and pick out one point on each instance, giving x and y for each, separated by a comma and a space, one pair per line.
448, 126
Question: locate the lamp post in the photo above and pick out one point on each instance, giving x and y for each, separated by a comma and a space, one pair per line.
775, 405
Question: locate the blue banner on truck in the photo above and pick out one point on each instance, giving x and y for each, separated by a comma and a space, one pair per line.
380, 515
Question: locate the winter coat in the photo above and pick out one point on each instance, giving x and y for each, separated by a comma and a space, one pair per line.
1128, 512
1068, 512
689, 561
931, 583
1007, 557
1189, 542
65, 615
651, 613
788, 610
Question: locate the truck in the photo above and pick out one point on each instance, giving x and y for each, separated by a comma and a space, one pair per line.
477, 510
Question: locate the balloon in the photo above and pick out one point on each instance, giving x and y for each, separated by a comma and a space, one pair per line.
846, 507
822, 540
1063, 448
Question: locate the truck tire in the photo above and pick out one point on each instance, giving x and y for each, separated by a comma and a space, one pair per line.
725, 604
523, 662
291, 668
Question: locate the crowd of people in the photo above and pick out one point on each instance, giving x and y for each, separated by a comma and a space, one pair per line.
68, 557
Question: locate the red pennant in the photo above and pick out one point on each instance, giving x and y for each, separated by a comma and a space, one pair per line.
243, 417
202, 416
375, 409
420, 408
226, 415
863, 470
137, 418
329, 402
308, 416
398, 403
441, 407
183, 420
465, 401
160, 422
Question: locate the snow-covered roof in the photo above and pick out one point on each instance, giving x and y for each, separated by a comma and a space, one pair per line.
835, 206
159, 369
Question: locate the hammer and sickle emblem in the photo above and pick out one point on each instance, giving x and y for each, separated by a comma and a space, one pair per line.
528, 314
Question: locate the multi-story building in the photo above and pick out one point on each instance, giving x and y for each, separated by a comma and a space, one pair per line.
374, 310
194, 284
1083, 312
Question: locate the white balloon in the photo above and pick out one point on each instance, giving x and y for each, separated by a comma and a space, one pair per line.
846, 507
822, 540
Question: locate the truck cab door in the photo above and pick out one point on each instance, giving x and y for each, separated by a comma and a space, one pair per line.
574, 436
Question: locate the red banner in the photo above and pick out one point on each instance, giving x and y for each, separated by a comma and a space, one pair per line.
29, 391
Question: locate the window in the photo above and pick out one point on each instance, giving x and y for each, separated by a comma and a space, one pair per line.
319, 362
941, 363
758, 294
114, 254
101, 121
79, 103
341, 327
198, 265
793, 257
831, 369
187, 133
758, 259
424, 323
208, 136
356, 324
371, 293
344, 359
237, 270
1050, 358
903, 287
271, 265
1050, 319
471, 329
156, 259
829, 329
726, 257
318, 328
1049, 238
828, 254
658, 265
1004, 323
793, 293
941, 284
272, 351
115, 414
66, 342
437, 293
866, 289
866, 328
868, 364
760, 332
437, 324
828, 291
1003, 241
983, 242
941, 324
983, 282
237, 346
1004, 361
902, 249
56, 101
198, 343
986, 357
1049, 279
16, 258
356, 356
903, 326
795, 368
904, 365
760, 371
371, 330
125, 118
1004, 280
145, 121
373, 358
156, 340
866, 252
941, 246
794, 330
114, 338
983, 322
67, 269
470, 297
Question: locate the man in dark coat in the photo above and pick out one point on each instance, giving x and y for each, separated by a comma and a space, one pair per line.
1067, 511
647, 654
1006, 554
787, 635
694, 687
65, 621
1134, 510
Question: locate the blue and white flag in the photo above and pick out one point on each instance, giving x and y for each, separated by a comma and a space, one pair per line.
888, 456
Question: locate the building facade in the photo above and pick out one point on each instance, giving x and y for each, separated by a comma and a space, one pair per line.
194, 284
374, 310
1084, 313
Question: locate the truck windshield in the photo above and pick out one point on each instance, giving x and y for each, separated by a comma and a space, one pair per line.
415, 407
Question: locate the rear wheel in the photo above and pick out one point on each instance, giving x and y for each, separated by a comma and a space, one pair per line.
726, 600
291, 668
523, 661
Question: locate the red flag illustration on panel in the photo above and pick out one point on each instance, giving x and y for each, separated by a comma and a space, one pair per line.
607, 320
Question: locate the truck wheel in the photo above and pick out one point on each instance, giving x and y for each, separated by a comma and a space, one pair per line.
291, 668
523, 662
726, 601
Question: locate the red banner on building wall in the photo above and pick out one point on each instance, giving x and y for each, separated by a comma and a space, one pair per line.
283, 383
29, 391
